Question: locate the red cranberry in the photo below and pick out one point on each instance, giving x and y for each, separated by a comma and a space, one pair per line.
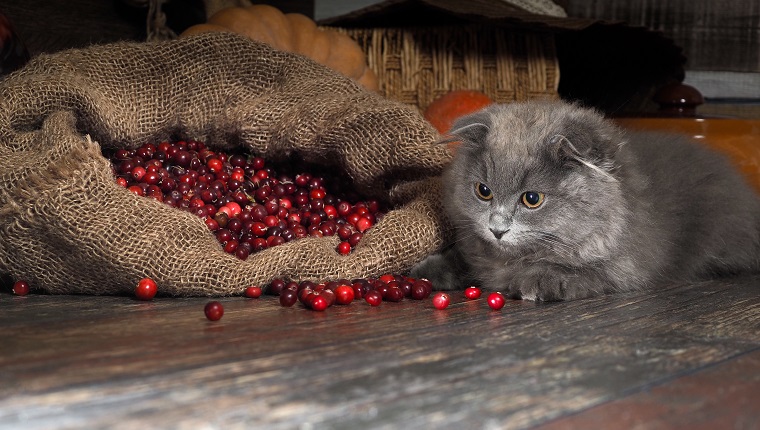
358, 288
288, 297
329, 296
394, 294
137, 190
306, 295
344, 232
253, 291
151, 178
355, 238
235, 225
406, 287
472, 292
212, 224
496, 301
317, 193
302, 180
21, 288
344, 248
146, 289
214, 311
344, 294
242, 252
276, 287
306, 285
238, 160
373, 298
234, 208
330, 211
441, 300
215, 165
259, 229
318, 303
363, 223
257, 163
382, 289
353, 218
344, 208
419, 291
122, 154
231, 246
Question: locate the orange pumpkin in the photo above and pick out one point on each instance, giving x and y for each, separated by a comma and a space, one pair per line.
444, 110
293, 32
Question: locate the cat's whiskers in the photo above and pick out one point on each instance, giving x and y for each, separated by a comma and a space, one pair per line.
557, 244
464, 237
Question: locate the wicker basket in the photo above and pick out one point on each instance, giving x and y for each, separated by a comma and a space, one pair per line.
416, 65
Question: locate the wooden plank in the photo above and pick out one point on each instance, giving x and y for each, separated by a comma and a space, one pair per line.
724, 396
70, 361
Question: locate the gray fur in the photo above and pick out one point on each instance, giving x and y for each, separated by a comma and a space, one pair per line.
622, 211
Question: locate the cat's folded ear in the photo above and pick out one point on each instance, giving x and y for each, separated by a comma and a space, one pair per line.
470, 130
591, 142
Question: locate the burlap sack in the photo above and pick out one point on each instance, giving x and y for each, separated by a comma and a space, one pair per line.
67, 227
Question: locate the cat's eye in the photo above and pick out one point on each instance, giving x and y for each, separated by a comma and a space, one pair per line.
483, 192
532, 199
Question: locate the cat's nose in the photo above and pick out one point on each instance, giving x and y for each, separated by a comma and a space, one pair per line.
498, 233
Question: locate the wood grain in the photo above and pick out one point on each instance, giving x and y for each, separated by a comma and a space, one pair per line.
724, 396
94, 362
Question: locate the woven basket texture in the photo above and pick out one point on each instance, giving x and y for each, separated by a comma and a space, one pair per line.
417, 65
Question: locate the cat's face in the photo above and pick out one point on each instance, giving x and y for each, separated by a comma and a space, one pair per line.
536, 179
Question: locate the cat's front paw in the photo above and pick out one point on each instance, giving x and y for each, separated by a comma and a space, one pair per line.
551, 286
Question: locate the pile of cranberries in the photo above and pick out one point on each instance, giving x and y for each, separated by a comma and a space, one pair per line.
251, 205
390, 288
248, 204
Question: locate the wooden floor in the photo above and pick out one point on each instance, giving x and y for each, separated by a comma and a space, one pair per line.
687, 357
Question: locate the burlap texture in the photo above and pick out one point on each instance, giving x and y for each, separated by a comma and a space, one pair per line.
67, 227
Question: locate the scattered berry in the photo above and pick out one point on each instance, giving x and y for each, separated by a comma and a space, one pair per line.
394, 294
496, 301
146, 289
441, 300
319, 303
214, 311
421, 289
344, 294
253, 292
288, 298
472, 293
373, 298
329, 296
276, 287
21, 288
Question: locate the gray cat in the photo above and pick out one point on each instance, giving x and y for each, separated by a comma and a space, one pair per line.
550, 201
